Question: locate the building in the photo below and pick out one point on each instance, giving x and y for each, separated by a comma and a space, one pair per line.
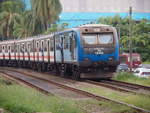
77, 12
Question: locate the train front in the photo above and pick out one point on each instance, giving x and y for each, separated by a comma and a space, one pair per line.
99, 51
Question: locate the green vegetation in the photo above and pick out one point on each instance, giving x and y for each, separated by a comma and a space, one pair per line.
137, 100
18, 99
128, 77
16, 22
107, 107
140, 34
147, 62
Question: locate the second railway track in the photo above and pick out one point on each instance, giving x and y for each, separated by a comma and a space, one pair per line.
66, 87
122, 86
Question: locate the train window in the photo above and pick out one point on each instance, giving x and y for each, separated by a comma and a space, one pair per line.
6, 49
22, 48
15, 48
66, 41
3, 48
25, 47
58, 42
12, 47
9, 49
72, 41
105, 38
37, 46
0, 48
18, 48
42, 46
52, 44
28, 47
47, 46
90, 39
32, 47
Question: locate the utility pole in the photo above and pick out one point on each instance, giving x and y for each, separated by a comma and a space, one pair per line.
130, 36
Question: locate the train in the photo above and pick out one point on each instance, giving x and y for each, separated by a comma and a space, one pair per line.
79, 52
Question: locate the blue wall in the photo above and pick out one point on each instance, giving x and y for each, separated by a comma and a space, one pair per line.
75, 19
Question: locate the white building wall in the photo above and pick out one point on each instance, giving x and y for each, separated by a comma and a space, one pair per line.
105, 5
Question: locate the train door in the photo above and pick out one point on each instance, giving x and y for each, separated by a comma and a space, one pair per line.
32, 51
1, 57
3, 51
12, 51
28, 50
47, 54
6, 52
15, 51
23, 51
66, 48
73, 46
37, 51
18, 52
52, 49
59, 48
9, 52
41, 54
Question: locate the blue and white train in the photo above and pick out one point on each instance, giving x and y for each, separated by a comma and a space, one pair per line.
80, 52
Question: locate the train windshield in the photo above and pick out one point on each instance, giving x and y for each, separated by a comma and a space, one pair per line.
90, 39
105, 38
97, 39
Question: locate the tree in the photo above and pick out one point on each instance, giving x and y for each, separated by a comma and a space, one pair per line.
23, 27
46, 11
10, 10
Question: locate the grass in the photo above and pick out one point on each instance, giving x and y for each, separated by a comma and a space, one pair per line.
108, 107
19, 99
147, 62
137, 100
128, 77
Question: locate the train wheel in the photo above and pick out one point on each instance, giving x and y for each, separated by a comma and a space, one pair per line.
43, 69
29, 65
76, 73
62, 70
112, 68
39, 67
34, 66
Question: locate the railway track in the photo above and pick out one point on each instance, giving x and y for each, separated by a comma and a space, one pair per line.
122, 86
13, 74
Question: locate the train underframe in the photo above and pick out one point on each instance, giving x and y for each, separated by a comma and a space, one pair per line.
75, 71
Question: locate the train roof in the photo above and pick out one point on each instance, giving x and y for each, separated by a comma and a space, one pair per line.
51, 34
27, 39
94, 25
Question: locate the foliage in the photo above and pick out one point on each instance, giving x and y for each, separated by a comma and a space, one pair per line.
23, 27
10, 10
46, 11
140, 34
15, 21
129, 77
55, 28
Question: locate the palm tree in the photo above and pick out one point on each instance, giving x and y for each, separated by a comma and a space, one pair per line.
10, 10
46, 11
23, 27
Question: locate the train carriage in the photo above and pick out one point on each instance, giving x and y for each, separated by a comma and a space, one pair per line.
77, 52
